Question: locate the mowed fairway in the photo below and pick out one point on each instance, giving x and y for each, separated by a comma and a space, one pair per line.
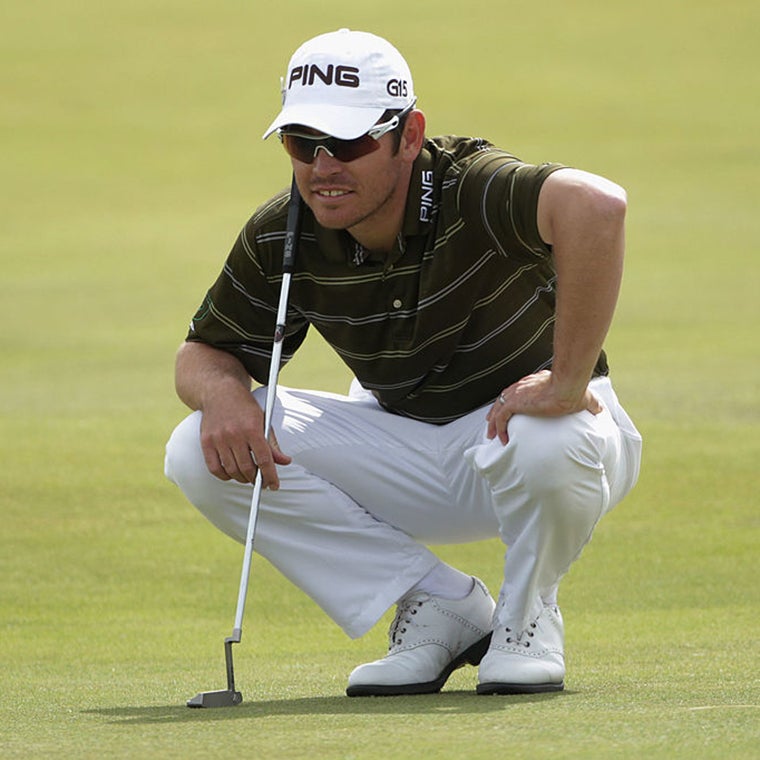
130, 157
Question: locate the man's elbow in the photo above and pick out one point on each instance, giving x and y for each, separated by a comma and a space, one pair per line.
612, 202
602, 198
576, 200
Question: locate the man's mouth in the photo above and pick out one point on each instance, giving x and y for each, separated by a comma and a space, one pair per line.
331, 193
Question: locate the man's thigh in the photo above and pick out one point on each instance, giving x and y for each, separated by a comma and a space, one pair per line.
409, 474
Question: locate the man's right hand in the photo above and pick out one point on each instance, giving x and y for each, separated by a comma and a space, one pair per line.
233, 441
232, 427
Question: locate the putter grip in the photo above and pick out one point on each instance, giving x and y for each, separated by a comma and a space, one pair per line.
293, 229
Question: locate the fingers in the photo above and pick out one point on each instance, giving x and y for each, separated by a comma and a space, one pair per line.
224, 463
498, 416
266, 456
280, 457
593, 404
242, 462
534, 395
233, 443
243, 467
215, 463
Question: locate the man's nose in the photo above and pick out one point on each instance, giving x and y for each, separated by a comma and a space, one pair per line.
324, 161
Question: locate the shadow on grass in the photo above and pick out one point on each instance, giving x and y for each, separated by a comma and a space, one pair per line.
452, 702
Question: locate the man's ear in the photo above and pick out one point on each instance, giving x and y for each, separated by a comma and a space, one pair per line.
413, 135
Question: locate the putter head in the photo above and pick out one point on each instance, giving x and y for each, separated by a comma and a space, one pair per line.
222, 698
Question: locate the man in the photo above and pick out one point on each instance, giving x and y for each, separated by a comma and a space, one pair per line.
470, 295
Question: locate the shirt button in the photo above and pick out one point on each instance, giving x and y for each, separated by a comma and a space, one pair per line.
397, 303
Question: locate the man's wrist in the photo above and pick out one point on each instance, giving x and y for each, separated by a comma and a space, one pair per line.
569, 389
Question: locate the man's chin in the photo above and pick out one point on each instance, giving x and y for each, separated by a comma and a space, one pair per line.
333, 220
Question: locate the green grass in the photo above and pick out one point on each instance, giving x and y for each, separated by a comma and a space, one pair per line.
130, 157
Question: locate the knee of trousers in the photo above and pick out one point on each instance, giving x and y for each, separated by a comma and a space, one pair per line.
184, 463
552, 464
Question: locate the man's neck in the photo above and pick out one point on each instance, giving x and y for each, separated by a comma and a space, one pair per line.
379, 232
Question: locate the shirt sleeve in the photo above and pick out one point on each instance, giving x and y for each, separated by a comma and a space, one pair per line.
239, 313
501, 192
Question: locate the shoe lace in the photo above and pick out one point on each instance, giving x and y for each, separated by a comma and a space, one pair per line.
522, 639
405, 612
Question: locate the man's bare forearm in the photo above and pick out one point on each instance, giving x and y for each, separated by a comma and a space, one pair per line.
586, 225
203, 373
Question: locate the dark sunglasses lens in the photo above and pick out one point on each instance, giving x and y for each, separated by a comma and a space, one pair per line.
350, 150
304, 149
299, 147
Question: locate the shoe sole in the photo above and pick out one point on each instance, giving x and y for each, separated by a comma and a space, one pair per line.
471, 656
518, 688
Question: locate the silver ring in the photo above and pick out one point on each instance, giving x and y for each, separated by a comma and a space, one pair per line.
502, 399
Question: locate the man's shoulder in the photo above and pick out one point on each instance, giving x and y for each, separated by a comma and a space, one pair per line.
458, 170
465, 167
459, 154
271, 214
471, 168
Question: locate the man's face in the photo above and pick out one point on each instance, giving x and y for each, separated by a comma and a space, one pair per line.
365, 196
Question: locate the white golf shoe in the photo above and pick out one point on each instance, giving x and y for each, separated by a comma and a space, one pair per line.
429, 638
527, 662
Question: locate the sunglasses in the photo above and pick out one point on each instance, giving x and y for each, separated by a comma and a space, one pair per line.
303, 146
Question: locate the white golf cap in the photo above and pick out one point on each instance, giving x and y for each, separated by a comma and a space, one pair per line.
342, 82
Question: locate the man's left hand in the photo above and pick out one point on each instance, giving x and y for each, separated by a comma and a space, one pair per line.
538, 395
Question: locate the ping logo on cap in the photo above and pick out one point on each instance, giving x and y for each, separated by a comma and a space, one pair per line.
340, 75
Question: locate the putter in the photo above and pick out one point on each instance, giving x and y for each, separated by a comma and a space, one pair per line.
230, 696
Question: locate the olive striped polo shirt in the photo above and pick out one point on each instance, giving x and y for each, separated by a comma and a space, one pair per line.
461, 308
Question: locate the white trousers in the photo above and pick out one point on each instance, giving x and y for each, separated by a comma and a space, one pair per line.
367, 490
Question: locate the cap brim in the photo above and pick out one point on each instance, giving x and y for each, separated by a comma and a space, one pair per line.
343, 122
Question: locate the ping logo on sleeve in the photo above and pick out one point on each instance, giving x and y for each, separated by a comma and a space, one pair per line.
426, 197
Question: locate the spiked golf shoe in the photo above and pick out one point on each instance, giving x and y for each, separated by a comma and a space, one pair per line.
527, 662
429, 638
